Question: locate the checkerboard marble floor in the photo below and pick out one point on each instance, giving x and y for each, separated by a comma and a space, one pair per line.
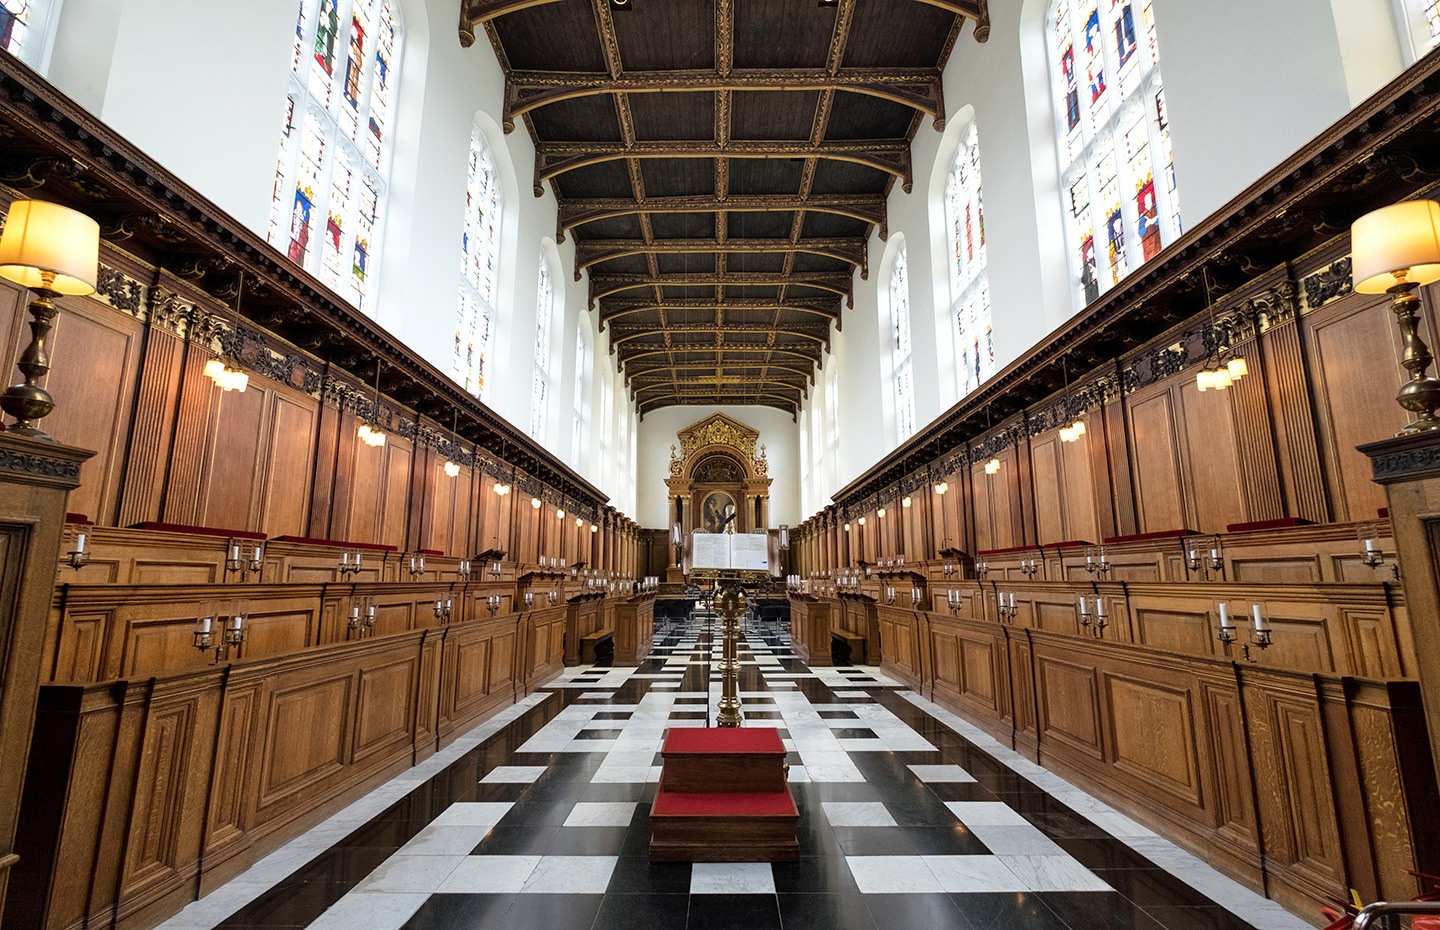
909, 817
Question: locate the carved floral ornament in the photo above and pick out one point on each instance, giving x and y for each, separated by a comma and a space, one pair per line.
718, 430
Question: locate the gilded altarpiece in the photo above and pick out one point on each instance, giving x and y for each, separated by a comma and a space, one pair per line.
719, 477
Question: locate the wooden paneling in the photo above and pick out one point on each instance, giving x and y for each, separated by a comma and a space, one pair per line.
1159, 491
1217, 494
1356, 352
1185, 744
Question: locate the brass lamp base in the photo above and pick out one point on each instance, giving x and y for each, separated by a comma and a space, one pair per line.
27, 401
730, 602
1421, 394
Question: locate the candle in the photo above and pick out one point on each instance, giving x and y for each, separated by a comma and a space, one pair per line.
1260, 624
204, 625
355, 612
1226, 621
422, 563
235, 552
1193, 556
1369, 544
1084, 608
1100, 607
437, 606
447, 604
344, 558
1214, 555
1089, 559
80, 543
1012, 600
236, 621
357, 560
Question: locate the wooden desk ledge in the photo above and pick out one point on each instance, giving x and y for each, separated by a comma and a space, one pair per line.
160, 527
848, 636
336, 543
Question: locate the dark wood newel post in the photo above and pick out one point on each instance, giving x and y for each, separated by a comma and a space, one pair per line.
36, 478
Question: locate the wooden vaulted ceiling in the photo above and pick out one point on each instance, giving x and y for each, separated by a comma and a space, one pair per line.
721, 165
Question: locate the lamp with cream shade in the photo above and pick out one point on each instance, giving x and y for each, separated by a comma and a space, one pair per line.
1394, 250
53, 251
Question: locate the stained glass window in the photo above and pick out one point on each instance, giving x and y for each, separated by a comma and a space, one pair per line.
1424, 22
22, 28
1432, 19
479, 259
969, 280
540, 384
330, 178
1116, 164
901, 356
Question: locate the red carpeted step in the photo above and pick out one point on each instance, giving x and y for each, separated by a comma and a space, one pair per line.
719, 759
715, 804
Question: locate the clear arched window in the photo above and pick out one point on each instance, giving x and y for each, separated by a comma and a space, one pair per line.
330, 178
1116, 168
969, 279
479, 262
580, 431
25, 28
1423, 24
540, 384
901, 356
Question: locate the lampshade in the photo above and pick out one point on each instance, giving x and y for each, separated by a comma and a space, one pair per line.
1403, 237
46, 237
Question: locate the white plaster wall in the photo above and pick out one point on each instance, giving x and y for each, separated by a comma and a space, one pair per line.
658, 431
210, 111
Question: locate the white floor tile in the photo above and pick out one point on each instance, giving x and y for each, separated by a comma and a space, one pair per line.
974, 874
473, 814
371, 910
940, 774
570, 875
515, 774
893, 875
732, 878
857, 814
1016, 840
490, 875
993, 813
1053, 873
444, 841
406, 874
601, 814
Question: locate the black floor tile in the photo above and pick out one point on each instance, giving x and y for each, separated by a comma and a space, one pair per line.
915, 912
552, 911
642, 911
1017, 910
1098, 910
825, 912
471, 911
733, 912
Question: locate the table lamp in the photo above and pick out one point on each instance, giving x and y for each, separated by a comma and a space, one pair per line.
1394, 250
52, 250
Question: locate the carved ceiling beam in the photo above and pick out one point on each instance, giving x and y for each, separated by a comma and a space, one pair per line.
868, 208
787, 406
795, 350
746, 387
823, 307
918, 88
891, 156
803, 330
977, 11
667, 375
662, 367
836, 282
590, 252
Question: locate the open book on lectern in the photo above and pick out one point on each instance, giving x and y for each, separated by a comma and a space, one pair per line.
745, 551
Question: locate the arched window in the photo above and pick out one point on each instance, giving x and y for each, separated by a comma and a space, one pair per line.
25, 29
969, 279
901, 360
1117, 172
1423, 25
581, 429
479, 261
330, 179
540, 385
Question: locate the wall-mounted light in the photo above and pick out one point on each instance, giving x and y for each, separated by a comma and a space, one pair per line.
880, 513
992, 466
535, 502
501, 488
862, 521
370, 433
452, 469
579, 522
593, 528
906, 501
228, 377
847, 527
942, 487
559, 514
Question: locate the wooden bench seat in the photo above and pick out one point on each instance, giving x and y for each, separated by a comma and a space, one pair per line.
848, 644
595, 644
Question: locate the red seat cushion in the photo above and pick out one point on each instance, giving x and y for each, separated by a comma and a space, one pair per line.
724, 739
768, 804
